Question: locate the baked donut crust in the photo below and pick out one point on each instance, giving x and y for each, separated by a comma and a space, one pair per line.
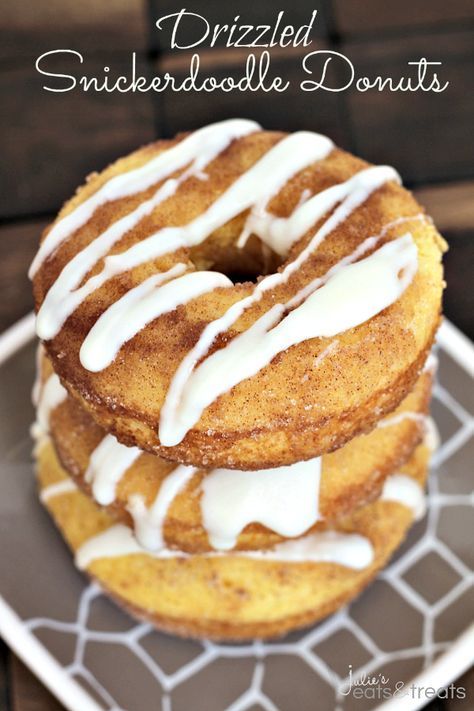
228, 598
289, 411
351, 476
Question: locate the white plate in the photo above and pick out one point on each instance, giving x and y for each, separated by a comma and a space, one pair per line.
409, 626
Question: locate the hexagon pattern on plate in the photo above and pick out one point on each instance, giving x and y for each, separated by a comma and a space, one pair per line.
410, 615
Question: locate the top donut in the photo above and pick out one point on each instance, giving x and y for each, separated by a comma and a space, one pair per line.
238, 297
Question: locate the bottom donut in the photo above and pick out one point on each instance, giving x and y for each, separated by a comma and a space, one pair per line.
241, 595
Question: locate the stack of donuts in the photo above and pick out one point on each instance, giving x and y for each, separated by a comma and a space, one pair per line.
234, 377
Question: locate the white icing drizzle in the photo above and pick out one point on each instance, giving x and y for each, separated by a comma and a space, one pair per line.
280, 233
149, 521
400, 417
114, 542
138, 307
108, 463
265, 177
431, 365
352, 295
198, 149
66, 486
331, 348
432, 438
284, 499
348, 549
405, 490
51, 395
36, 390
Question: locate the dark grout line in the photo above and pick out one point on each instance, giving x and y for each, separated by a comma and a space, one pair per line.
12, 220
27, 60
432, 182
5, 681
335, 40
151, 40
333, 35
155, 54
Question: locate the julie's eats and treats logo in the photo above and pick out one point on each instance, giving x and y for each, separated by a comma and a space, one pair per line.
321, 69
378, 687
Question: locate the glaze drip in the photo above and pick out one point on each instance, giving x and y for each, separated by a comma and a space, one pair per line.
67, 486
138, 307
405, 490
149, 521
50, 395
348, 549
283, 499
108, 463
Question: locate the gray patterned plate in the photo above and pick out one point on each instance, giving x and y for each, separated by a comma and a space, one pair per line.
412, 624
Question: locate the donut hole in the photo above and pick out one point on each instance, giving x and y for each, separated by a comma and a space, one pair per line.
242, 277
240, 265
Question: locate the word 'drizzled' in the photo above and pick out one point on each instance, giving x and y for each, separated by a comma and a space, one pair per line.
188, 33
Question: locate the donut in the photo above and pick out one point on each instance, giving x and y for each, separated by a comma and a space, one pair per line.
241, 595
239, 298
130, 483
